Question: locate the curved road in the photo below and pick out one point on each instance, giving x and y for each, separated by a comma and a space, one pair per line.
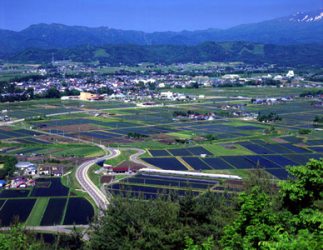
82, 177
135, 157
81, 173
95, 193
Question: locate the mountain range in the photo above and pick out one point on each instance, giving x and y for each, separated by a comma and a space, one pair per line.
300, 28
293, 39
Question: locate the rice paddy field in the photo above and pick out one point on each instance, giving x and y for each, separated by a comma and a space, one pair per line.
152, 185
245, 91
296, 115
45, 107
270, 156
26, 142
228, 143
48, 203
159, 121
148, 123
232, 137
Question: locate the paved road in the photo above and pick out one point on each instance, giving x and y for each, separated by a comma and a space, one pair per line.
135, 157
96, 194
55, 229
82, 177
59, 229
81, 173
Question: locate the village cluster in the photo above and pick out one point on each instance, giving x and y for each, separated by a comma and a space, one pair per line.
27, 172
147, 83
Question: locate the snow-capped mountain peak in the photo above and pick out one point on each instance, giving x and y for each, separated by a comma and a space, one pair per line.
302, 17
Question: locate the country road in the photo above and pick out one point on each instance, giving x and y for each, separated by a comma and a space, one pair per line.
95, 193
81, 173
82, 177
82, 170
65, 229
135, 157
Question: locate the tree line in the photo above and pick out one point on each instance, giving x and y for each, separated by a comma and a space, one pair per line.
8, 165
11, 93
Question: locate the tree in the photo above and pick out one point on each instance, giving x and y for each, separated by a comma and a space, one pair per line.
302, 240
9, 165
304, 131
210, 137
305, 189
271, 117
16, 238
135, 135
179, 113
294, 221
208, 244
271, 130
73, 241
170, 222
152, 86
52, 93
318, 121
195, 85
311, 93
105, 90
255, 223
72, 92
30, 93
136, 224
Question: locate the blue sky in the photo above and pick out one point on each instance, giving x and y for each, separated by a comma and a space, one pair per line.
147, 15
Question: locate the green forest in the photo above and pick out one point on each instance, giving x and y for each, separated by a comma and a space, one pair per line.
288, 55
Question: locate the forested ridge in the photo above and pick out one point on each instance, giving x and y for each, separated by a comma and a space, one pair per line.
289, 55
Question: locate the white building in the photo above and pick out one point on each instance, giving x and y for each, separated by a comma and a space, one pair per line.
27, 168
230, 77
278, 78
24, 165
161, 85
168, 94
290, 74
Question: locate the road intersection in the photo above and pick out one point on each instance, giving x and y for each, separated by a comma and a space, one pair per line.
82, 177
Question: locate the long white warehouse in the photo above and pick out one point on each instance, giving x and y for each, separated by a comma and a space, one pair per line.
187, 173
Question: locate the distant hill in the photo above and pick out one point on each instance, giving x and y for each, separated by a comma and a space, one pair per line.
300, 28
291, 55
